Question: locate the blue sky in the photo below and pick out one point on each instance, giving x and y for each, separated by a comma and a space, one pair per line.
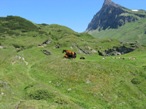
75, 14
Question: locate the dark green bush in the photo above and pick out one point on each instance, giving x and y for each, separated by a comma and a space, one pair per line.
135, 81
40, 95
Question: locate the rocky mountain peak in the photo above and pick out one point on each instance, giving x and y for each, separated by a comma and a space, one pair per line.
113, 15
107, 2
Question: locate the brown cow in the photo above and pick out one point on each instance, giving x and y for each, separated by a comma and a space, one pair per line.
69, 54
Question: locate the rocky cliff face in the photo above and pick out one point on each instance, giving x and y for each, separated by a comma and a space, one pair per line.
113, 15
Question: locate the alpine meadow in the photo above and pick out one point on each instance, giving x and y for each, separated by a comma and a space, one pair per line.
108, 71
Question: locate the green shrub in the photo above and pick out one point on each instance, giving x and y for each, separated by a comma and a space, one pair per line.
40, 95
135, 81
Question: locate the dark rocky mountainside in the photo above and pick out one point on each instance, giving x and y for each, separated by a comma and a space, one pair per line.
113, 15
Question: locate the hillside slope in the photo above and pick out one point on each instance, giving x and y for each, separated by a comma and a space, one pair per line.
11, 23
33, 79
130, 32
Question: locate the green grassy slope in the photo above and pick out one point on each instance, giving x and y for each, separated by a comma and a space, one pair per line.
16, 23
134, 31
29, 79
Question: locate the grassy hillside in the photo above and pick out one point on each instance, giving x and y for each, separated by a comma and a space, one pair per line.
30, 79
11, 25
134, 31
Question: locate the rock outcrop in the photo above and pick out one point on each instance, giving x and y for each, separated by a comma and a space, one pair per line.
123, 49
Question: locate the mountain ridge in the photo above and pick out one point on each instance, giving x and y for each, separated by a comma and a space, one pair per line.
113, 15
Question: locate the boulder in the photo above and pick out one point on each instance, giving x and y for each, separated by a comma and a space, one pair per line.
46, 52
